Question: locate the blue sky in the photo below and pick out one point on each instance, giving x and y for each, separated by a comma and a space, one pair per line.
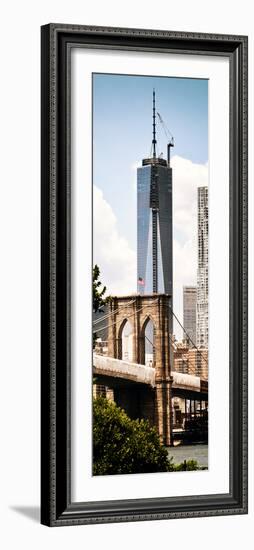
122, 135
122, 130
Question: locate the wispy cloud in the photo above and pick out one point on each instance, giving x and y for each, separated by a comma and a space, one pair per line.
111, 250
187, 177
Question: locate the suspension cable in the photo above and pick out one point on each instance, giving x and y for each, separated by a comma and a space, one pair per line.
127, 317
170, 337
188, 336
148, 305
104, 317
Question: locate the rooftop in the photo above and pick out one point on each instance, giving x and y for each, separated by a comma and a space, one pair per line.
161, 161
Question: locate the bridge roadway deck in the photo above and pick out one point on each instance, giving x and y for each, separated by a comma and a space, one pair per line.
110, 371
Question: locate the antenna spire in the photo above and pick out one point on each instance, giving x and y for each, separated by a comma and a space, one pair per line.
154, 126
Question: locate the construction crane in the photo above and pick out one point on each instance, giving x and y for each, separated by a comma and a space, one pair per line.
169, 137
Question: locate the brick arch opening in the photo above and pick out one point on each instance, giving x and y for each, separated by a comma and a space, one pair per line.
125, 340
139, 310
147, 342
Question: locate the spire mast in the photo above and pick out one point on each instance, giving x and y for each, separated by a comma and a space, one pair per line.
154, 126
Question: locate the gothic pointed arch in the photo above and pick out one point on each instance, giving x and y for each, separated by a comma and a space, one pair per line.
125, 340
147, 341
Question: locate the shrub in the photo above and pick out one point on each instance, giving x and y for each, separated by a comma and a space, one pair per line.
187, 465
122, 445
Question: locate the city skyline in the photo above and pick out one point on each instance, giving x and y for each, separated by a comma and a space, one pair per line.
114, 168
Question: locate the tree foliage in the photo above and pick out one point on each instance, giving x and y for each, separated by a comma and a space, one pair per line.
185, 466
122, 445
99, 299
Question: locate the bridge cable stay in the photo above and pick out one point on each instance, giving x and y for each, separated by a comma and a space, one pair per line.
188, 336
185, 331
148, 339
153, 345
148, 305
127, 317
172, 341
104, 317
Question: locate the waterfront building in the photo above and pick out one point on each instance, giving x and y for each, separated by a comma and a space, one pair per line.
189, 360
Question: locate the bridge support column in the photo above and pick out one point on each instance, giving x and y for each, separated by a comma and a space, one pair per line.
164, 410
140, 309
138, 402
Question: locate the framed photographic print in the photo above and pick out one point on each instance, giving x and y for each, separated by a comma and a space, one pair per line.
144, 275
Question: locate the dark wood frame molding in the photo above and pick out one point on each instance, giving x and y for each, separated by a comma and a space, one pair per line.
56, 506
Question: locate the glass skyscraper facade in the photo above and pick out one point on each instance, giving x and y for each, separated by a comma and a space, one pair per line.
202, 279
189, 313
154, 227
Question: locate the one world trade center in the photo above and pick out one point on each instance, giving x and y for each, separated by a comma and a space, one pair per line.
154, 224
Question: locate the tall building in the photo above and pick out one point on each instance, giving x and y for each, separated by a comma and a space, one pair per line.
189, 313
202, 278
154, 227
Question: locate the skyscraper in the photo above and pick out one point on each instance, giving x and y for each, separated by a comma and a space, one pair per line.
202, 278
154, 227
189, 313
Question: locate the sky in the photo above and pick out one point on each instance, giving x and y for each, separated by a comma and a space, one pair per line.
122, 136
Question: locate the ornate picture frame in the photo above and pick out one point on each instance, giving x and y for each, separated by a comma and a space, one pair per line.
57, 507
